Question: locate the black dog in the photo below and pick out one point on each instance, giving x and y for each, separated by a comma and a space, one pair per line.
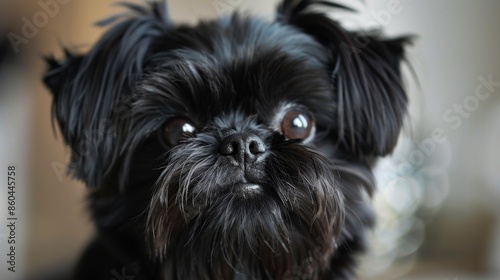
234, 149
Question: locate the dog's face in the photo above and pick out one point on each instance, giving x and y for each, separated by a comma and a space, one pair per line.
235, 146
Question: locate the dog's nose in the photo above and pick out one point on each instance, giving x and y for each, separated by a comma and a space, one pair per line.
243, 147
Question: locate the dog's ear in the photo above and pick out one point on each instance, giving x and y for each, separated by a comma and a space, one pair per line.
88, 88
365, 71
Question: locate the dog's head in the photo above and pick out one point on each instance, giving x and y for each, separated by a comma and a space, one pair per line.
236, 145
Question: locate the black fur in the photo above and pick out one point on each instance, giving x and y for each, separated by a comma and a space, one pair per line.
172, 212
7, 54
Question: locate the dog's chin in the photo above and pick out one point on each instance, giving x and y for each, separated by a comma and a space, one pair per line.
247, 228
246, 232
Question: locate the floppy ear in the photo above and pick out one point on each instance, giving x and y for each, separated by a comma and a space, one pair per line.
365, 70
87, 88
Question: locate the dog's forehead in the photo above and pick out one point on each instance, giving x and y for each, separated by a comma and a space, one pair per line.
257, 68
261, 83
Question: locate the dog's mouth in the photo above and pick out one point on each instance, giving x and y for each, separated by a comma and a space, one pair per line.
247, 190
238, 195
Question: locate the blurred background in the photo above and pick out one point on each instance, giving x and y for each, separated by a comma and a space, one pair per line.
439, 193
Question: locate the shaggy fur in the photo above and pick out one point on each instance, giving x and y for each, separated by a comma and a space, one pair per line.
168, 211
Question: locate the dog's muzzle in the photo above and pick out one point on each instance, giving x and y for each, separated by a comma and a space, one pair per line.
247, 151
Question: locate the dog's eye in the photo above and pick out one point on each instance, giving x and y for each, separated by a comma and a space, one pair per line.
176, 130
296, 125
